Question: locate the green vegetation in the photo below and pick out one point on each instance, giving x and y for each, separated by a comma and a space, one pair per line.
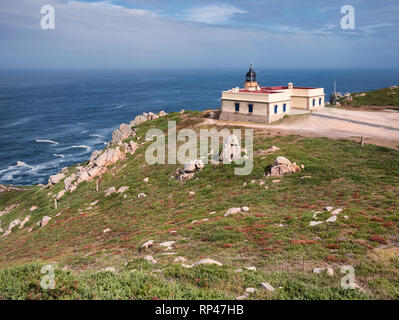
274, 235
387, 97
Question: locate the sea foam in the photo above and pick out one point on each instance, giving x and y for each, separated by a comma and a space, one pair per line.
47, 141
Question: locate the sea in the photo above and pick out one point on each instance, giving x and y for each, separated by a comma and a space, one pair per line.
53, 119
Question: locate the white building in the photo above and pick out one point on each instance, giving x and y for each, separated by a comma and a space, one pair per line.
267, 104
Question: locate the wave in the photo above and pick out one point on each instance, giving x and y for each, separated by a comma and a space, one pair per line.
58, 155
119, 106
80, 147
47, 141
20, 168
96, 135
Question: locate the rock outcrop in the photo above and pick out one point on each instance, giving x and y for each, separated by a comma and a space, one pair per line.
233, 211
189, 170
9, 208
123, 132
231, 149
281, 167
335, 96
100, 160
207, 261
54, 179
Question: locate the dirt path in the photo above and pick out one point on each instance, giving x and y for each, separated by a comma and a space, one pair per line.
380, 128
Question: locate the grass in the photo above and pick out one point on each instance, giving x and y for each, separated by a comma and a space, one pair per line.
386, 97
274, 235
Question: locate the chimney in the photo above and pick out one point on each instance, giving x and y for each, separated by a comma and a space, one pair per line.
290, 85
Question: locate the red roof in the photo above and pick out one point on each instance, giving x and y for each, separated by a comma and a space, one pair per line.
268, 90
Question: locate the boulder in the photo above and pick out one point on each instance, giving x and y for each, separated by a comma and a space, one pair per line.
44, 221
252, 268
60, 194
315, 223
207, 261
131, 147
68, 181
110, 191
141, 195
82, 176
95, 171
266, 286
232, 211
272, 149
185, 176
231, 149
9, 208
21, 225
54, 179
332, 219
13, 224
150, 259
281, 167
334, 97
179, 259
33, 208
123, 132
147, 244
101, 160
123, 189
167, 244
140, 119
327, 270
336, 211
94, 155
162, 113
189, 166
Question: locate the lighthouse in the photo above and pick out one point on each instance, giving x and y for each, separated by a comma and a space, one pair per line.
250, 83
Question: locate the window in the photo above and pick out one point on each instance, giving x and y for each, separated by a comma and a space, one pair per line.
284, 107
250, 108
314, 102
319, 101
237, 106
275, 108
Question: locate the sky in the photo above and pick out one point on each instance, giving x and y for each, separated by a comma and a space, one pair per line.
134, 34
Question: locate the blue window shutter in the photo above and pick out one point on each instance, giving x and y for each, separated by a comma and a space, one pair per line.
237, 107
275, 108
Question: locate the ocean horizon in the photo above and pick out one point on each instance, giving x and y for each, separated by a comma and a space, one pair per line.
51, 119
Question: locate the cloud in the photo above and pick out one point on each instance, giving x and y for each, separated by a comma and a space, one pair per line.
372, 28
107, 35
212, 14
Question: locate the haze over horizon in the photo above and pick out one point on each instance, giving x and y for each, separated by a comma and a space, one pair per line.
138, 34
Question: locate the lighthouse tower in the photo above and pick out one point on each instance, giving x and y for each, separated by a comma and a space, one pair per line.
250, 80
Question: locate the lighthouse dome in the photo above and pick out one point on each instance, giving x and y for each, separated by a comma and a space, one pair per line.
251, 75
